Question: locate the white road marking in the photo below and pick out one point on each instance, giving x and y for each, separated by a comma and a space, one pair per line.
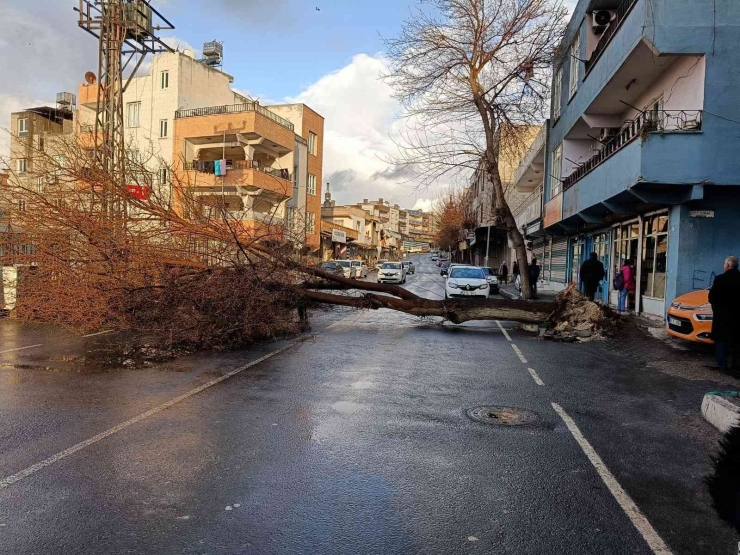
21, 348
657, 545
506, 333
98, 333
535, 377
519, 353
17, 477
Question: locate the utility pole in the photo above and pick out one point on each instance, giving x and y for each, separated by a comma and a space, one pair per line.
125, 30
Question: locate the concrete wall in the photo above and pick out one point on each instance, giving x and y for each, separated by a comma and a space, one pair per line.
697, 247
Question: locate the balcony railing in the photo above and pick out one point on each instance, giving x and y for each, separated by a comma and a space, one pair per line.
234, 109
646, 122
622, 12
536, 195
203, 166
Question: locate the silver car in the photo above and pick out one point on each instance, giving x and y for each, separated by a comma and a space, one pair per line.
392, 272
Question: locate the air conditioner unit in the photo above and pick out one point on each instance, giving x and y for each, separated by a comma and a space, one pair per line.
601, 19
607, 133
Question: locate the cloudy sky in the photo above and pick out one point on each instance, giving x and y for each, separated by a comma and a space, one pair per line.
277, 50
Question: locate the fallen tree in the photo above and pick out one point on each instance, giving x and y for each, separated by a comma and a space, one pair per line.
190, 272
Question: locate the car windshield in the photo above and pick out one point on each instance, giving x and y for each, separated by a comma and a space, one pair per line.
467, 273
344, 263
356, 263
405, 263
487, 271
391, 266
329, 265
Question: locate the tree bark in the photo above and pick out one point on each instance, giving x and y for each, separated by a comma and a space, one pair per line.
456, 311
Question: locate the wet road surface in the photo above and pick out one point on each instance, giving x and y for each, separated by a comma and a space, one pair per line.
356, 441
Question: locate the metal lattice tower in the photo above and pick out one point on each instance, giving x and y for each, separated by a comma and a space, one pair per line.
125, 30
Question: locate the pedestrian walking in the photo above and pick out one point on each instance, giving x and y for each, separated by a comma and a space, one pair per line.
624, 282
504, 273
592, 272
515, 270
534, 275
724, 296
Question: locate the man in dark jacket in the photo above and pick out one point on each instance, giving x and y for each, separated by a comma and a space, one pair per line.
534, 275
592, 272
724, 296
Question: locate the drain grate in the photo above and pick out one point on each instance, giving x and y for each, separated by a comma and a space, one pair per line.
502, 416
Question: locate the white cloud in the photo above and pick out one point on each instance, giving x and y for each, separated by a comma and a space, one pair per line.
361, 119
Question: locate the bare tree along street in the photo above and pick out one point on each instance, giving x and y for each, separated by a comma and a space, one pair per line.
359, 437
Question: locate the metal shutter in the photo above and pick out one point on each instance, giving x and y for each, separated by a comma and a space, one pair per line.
559, 259
538, 250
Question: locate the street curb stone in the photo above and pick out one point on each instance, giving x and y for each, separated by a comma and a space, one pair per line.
719, 412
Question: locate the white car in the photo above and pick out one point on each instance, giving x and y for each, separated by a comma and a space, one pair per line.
349, 271
392, 272
360, 268
466, 281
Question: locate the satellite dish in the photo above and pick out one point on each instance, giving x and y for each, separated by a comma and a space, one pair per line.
90, 78
189, 53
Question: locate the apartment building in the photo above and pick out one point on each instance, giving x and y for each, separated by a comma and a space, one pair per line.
641, 156
36, 141
357, 219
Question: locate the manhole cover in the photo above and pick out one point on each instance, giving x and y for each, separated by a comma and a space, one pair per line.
502, 416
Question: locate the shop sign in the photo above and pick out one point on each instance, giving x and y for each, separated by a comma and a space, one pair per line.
701, 213
338, 236
462, 245
554, 211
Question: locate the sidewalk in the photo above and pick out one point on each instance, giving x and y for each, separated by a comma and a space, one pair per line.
510, 291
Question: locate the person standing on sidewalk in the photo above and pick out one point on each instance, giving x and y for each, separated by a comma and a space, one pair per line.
592, 272
504, 272
627, 286
724, 296
534, 275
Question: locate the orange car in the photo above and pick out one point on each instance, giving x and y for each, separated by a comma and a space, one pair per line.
690, 317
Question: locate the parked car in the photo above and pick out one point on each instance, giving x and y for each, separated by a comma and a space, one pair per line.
332, 268
360, 268
492, 280
409, 267
466, 281
349, 271
451, 265
690, 317
445, 266
392, 272
380, 263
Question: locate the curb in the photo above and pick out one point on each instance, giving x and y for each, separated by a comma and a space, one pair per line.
512, 296
719, 412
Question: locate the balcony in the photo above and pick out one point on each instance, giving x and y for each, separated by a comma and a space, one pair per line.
240, 173
234, 109
620, 14
656, 121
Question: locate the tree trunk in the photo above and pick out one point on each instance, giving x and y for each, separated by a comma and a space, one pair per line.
456, 311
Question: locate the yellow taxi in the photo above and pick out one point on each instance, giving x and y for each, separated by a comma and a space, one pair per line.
690, 317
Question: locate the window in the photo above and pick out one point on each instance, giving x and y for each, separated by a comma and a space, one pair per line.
575, 64
557, 171
339, 221
310, 222
164, 80
312, 143
41, 144
311, 184
21, 206
132, 111
163, 128
40, 185
290, 220
22, 127
60, 161
295, 180
557, 93
21, 165
162, 176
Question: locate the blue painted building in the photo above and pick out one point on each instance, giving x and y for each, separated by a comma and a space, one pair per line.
643, 152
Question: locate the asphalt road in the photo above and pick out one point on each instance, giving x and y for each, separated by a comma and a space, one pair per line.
356, 441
